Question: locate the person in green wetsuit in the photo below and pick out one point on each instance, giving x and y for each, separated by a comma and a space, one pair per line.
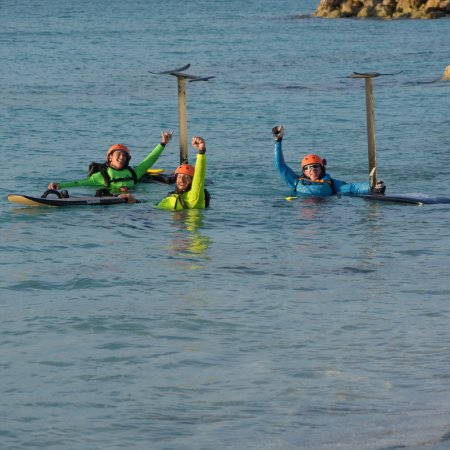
117, 175
190, 182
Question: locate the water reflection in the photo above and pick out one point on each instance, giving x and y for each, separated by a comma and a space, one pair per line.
187, 245
310, 208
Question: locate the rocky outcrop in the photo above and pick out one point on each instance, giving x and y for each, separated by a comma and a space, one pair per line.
446, 75
383, 9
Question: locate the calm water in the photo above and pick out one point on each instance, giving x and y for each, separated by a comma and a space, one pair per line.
258, 323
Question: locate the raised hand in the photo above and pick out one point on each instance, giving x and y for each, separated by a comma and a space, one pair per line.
199, 143
278, 132
166, 136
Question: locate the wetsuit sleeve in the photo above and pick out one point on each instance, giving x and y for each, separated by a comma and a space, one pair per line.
286, 173
148, 162
195, 197
351, 188
94, 180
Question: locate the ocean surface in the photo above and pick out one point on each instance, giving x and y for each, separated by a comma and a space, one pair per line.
259, 323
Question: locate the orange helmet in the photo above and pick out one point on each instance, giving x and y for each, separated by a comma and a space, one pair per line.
120, 147
185, 169
313, 159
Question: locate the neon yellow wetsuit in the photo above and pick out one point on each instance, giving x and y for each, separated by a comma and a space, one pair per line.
118, 178
195, 197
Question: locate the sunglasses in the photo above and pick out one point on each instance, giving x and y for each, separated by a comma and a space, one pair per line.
312, 166
125, 154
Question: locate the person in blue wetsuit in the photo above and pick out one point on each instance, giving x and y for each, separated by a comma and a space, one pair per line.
314, 181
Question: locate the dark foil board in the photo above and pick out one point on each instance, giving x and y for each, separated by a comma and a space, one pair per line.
28, 200
414, 198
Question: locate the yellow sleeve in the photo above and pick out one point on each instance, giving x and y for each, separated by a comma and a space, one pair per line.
195, 197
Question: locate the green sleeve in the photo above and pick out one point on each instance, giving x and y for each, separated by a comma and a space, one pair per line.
148, 162
94, 180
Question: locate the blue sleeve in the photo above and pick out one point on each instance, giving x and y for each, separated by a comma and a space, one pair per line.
286, 173
351, 188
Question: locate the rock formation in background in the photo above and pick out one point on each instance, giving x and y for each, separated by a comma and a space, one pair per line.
383, 9
446, 75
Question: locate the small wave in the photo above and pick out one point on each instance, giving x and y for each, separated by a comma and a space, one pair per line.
349, 269
73, 284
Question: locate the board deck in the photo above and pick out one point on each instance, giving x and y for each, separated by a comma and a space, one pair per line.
28, 200
414, 198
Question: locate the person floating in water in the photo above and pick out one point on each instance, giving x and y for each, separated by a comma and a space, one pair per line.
313, 180
190, 192
116, 175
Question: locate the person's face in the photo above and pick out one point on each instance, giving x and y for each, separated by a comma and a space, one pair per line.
118, 159
313, 171
183, 182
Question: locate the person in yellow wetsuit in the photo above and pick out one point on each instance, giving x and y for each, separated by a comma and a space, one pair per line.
189, 182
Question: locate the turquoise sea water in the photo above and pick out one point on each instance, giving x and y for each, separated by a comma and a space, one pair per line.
258, 323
